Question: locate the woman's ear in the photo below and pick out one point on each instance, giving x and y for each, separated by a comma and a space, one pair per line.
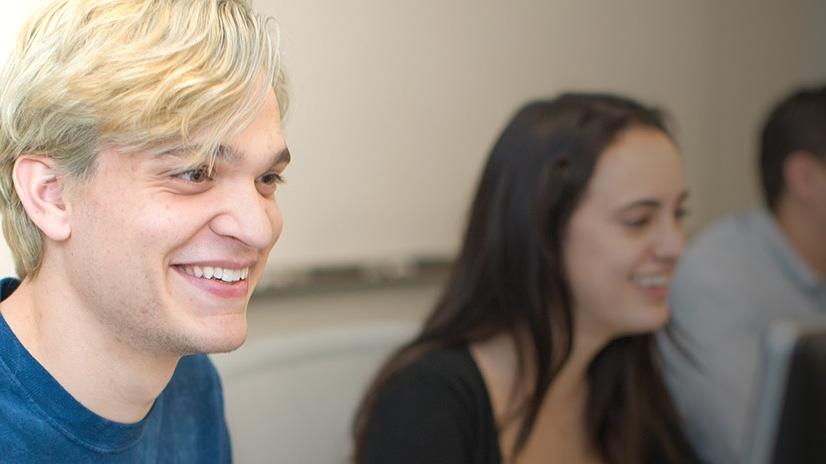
40, 190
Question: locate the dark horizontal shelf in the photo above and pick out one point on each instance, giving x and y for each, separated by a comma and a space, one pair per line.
355, 277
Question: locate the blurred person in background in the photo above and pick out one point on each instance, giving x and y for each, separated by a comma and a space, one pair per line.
746, 271
541, 347
140, 149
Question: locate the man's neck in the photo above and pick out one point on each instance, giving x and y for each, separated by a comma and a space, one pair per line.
106, 376
805, 235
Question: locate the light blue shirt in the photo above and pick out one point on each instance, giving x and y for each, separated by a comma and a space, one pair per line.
736, 278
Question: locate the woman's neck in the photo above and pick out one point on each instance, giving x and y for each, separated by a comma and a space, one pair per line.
559, 433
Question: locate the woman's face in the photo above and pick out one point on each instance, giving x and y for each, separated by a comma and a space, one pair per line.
623, 241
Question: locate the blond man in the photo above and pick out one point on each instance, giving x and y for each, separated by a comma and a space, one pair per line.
140, 150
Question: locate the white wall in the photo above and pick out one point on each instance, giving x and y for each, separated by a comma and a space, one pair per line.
762, 50
14, 14
717, 66
395, 104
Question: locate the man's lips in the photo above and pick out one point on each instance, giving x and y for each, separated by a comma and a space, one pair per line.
223, 282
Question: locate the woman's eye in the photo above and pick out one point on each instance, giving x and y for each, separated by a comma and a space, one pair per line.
681, 213
195, 176
636, 223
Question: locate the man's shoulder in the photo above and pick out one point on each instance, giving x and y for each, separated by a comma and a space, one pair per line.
7, 286
192, 410
731, 243
195, 375
194, 391
730, 232
198, 365
731, 265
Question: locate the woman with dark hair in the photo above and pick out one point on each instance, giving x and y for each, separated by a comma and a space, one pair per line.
540, 349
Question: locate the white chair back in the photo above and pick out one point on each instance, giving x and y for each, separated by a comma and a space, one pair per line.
290, 399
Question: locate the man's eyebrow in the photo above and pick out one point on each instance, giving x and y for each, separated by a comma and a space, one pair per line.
281, 157
229, 154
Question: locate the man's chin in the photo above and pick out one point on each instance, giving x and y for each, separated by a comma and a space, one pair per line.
214, 347
225, 347
220, 339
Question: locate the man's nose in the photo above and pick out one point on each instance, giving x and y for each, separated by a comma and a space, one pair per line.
247, 216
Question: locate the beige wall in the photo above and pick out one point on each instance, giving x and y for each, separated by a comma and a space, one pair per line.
14, 13
762, 50
395, 104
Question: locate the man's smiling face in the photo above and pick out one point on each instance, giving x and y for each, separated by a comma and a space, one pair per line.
164, 255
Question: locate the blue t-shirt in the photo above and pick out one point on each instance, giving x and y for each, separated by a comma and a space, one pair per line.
40, 422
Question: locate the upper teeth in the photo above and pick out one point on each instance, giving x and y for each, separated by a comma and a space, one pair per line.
218, 273
652, 280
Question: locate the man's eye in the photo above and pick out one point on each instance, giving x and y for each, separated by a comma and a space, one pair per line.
268, 183
271, 178
195, 176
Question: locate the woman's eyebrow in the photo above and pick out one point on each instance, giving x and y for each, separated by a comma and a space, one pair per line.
652, 203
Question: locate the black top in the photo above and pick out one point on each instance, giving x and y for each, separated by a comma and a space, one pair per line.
437, 411
434, 411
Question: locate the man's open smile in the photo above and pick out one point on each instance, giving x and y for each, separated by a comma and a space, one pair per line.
217, 273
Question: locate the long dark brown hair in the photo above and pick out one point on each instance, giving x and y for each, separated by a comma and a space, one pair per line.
509, 277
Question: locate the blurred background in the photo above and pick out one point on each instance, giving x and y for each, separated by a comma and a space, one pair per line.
394, 106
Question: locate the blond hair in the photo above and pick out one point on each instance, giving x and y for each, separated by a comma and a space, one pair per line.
131, 74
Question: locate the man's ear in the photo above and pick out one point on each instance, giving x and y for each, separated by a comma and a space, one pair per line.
40, 189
